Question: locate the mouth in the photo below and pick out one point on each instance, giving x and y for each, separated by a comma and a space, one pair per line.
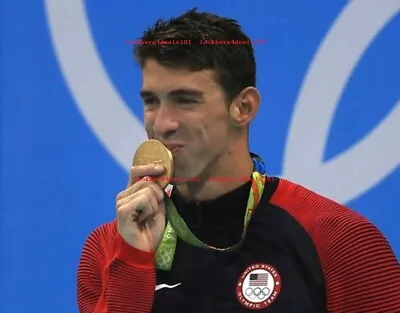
174, 148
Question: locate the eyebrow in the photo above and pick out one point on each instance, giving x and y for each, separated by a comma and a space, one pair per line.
176, 92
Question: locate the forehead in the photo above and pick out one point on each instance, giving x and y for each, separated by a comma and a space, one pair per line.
157, 77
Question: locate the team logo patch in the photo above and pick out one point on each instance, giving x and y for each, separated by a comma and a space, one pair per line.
258, 286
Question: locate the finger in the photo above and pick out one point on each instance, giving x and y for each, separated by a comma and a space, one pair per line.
137, 172
162, 206
129, 210
157, 191
139, 184
142, 184
152, 210
142, 206
138, 189
138, 202
158, 208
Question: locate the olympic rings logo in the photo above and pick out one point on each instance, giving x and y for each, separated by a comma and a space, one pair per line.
257, 292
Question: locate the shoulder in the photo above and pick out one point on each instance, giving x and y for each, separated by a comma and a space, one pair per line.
335, 230
359, 266
318, 214
101, 239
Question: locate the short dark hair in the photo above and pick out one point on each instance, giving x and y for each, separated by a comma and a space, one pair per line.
234, 64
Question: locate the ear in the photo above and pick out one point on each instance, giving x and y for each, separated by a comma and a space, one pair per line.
245, 107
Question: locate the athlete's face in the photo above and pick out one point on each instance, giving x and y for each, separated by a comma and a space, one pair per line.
188, 110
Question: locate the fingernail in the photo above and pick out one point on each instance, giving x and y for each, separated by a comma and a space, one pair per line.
158, 167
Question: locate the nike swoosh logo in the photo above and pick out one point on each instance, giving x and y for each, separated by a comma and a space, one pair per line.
162, 286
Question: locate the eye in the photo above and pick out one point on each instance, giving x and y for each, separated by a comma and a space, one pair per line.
150, 101
185, 101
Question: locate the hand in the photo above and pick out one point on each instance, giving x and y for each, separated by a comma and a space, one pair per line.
141, 209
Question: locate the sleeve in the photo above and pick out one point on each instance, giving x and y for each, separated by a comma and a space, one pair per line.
114, 277
361, 271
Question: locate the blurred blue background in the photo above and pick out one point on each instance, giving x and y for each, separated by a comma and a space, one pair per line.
71, 119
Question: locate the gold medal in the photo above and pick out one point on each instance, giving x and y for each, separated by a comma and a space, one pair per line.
155, 152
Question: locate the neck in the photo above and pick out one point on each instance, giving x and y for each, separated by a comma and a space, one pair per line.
230, 172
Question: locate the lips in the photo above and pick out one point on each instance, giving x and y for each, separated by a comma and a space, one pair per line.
174, 147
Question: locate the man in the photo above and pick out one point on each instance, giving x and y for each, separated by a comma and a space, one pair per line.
300, 252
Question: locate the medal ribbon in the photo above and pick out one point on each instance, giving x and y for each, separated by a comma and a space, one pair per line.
176, 226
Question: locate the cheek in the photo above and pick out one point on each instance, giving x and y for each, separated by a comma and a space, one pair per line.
215, 128
148, 121
219, 124
205, 127
149, 130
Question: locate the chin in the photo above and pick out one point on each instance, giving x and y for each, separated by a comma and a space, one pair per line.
182, 176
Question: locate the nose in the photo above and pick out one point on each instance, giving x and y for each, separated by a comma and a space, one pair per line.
165, 121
